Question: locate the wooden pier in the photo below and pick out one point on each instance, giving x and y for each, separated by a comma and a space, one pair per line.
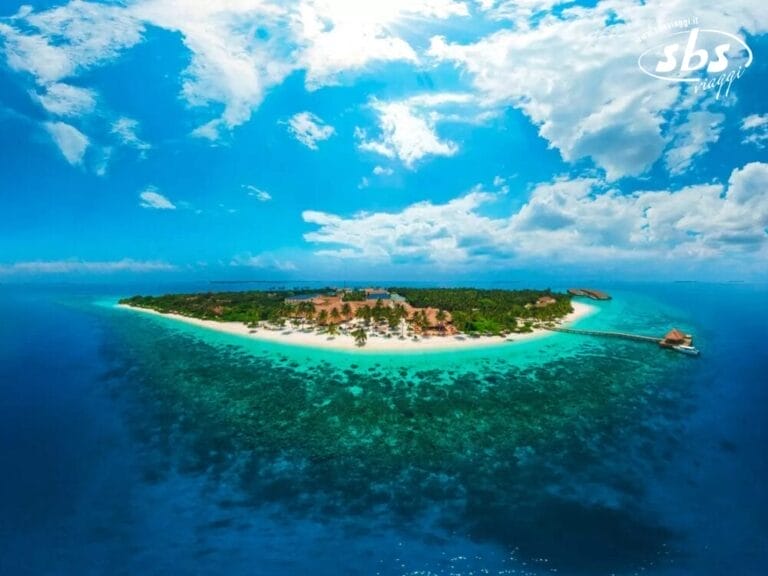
624, 335
674, 337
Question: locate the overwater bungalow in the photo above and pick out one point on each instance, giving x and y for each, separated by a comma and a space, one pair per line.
676, 337
589, 293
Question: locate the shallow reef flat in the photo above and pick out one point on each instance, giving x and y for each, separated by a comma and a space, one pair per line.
496, 445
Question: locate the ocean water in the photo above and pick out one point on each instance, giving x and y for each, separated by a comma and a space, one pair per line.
132, 444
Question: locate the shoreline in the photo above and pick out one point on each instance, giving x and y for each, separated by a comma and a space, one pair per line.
293, 337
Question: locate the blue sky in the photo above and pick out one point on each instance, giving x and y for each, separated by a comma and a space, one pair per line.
406, 139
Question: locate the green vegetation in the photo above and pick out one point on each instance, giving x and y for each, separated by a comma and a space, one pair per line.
471, 310
489, 311
248, 307
360, 336
354, 296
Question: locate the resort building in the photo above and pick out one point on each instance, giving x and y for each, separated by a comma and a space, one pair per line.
545, 301
301, 298
589, 293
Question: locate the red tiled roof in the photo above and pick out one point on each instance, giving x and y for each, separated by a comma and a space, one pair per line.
674, 335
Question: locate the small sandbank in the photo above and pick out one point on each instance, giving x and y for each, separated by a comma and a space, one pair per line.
297, 337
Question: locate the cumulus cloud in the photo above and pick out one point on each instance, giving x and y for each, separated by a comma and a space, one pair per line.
265, 260
519, 11
406, 132
421, 231
63, 41
342, 37
126, 130
309, 129
570, 220
152, 199
583, 89
84, 266
382, 171
580, 87
755, 129
239, 50
258, 193
71, 142
692, 139
65, 100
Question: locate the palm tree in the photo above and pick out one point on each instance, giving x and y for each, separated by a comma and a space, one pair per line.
440, 317
393, 319
360, 336
421, 320
332, 331
346, 310
335, 316
364, 313
322, 318
310, 311
378, 310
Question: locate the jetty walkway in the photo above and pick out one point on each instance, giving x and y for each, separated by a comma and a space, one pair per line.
624, 335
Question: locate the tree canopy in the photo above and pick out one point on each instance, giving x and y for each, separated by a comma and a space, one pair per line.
471, 310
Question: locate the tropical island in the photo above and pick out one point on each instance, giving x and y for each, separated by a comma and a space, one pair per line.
389, 318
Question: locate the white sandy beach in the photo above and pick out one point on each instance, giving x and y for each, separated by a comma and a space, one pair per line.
295, 337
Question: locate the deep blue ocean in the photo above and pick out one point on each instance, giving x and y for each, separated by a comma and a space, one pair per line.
134, 445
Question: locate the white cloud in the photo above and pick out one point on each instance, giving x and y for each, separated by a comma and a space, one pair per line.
66, 100
239, 49
84, 266
584, 90
125, 129
69, 139
519, 11
408, 127
406, 132
63, 41
264, 260
258, 193
438, 99
242, 48
381, 171
574, 221
210, 130
151, 198
755, 129
692, 139
421, 231
339, 37
308, 129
